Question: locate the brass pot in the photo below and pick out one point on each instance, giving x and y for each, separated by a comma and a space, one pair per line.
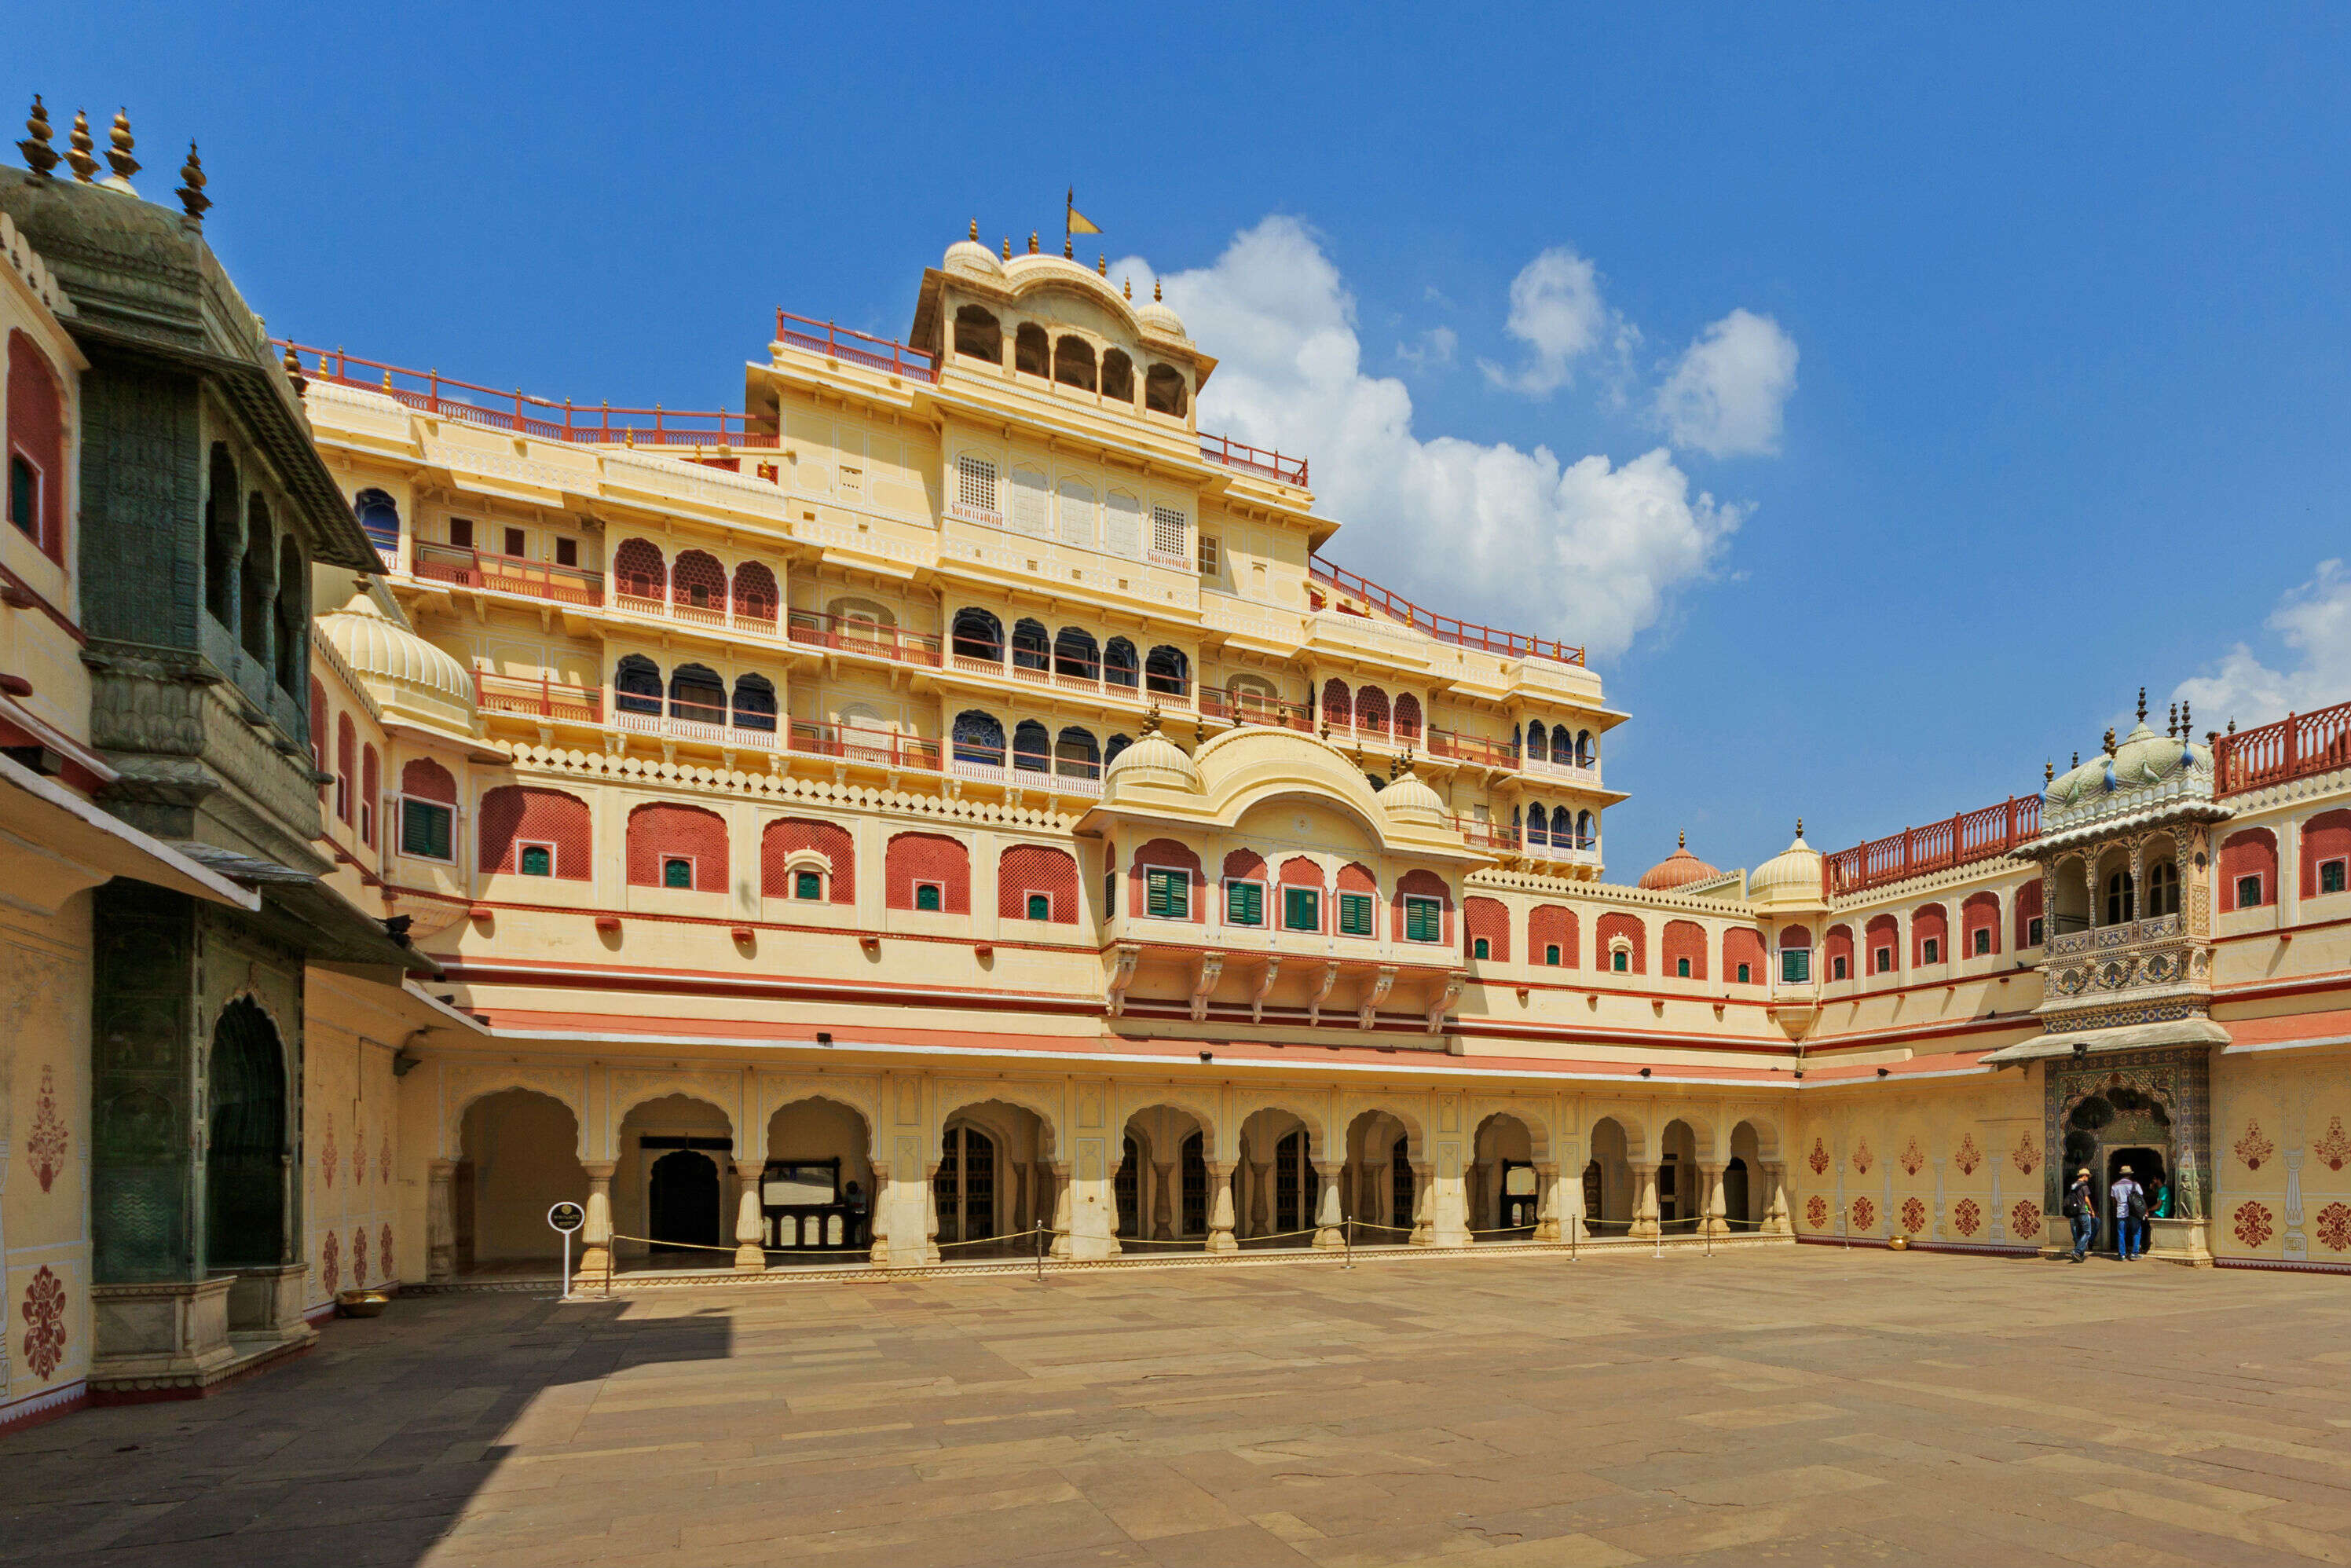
362, 1303
1900, 1244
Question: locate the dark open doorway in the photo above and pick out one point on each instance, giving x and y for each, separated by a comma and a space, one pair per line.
684, 1201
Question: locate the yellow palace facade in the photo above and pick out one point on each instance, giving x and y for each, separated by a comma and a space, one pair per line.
953, 809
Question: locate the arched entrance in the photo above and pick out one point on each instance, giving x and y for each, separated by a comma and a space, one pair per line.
2119, 1125
682, 1209
1503, 1193
682, 1204
1744, 1193
994, 1182
246, 1155
1275, 1186
519, 1155
1379, 1188
1162, 1182
816, 1185
1681, 1194
1608, 1196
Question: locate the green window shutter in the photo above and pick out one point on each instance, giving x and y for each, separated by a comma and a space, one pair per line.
677, 873
1355, 915
538, 860
1154, 894
1301, 909
926, 896
1041, 907
1424, 920
807, 884
1244, 903
425, 829
1169, 895
1796, 965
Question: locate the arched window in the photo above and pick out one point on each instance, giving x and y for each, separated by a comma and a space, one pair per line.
1075, 654
1168, 672
1119, 663
676, 846
1032, 510
370, 787
516, 819
1123, 526
1030, 351
2121, 899
637, 685
1407, 718
696, 693
1073, 363
1538, 746
1117, 744
978, 635
428, 811
35, 447
293, 617
258, 584
1118, 376
1030, 647
221, 500
379, 519
1036, 882
1537, 828
698, 581
1371, 709
1338, 710
977, 334
1563, 747
347, 761
1586, 754
926, 872
1586, 831
639, 571
978, 738
2162, 889
755, 703
1078, 525
1164, 391
1031, 747
755, 593
1075, 756
790, 837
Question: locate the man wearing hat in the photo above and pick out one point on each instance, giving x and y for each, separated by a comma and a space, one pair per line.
2130, 1215
2082, 1209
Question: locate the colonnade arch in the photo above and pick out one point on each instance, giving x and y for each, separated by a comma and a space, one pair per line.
1161, 1186
995, 1173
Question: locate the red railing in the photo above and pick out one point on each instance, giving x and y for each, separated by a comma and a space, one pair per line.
1970, 836
1444, 628
1473, 749
837, 343
863, 637
507, 574
1256, 459
542, 698
2291, 747
1486, 835
880, 747
448, 398
1250, 708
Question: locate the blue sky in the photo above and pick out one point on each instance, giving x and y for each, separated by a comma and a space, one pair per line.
2065, 299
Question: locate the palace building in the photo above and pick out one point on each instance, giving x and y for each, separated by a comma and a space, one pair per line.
953, 809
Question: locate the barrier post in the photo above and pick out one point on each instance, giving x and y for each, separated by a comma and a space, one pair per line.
1039, 1233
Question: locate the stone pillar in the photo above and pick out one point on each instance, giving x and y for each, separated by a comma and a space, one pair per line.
596, 1236
930, 1252
750, 1224
441, 1222
1260, 1198
1164, 1194
1645, 1200
1327, 1218
1062, 1213
1713, 1222
1220, 1209
1546, 1202
1775, 1199
1424, 1204
1476, 1212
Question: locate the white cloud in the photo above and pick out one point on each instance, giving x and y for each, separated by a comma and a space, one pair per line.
1588, 552
1725, 394
1433, 350
2314, 621
1556, 311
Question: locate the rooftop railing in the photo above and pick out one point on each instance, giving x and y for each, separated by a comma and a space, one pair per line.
466, 568
445, 397
1971, 836
2291, 747
1486, 835
1444, 628
1234, 453
835, 341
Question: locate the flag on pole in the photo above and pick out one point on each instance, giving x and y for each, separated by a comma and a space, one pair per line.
1076, 222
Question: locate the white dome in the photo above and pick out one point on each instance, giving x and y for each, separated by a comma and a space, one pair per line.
1153, 761
1158, 319
401, 669
973, 259
1407, 799
1792, 876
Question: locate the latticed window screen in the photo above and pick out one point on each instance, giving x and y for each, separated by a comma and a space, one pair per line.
1355, 915
1244, 903
1031, 510
1167, 894
1167, 532
1122, 524
1424, 920
1077, 513
975, 484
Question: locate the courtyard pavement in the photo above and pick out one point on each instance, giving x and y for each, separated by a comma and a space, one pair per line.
1798, 1406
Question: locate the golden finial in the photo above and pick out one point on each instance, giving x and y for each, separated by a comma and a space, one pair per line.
1151, 720
1102, 266
2187, 725
2232, 726
118, 150
78, 146
1154, 288
1007, 247
974, 236
2142, 705
293, 364
1800, 827
2049, 772
1403, 764
1682, 840
193, 200
1129, 289
2077, 760
39, 156
2110, 740
2171, 726
387, 381
1032, 242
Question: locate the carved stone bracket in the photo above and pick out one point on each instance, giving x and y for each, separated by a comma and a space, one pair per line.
1329, 977
1441, 999
1382, 980
1127, 955
1264, 988
1212, 966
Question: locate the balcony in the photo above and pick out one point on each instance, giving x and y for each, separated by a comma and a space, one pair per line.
1248, 707
755, 616
866, 637
1583, 775
874, 747
463, 567
1971, 836
1474, 749
1029, 770
847, 347
544, 697
1443, 628
1087, 679
2294, 747
704, 723
1499, 836
1257, 460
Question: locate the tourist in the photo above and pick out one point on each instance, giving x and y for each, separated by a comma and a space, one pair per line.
2130, 1215
2162, 1207
2082, 1209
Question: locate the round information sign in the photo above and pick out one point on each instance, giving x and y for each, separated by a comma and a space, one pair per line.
567, 1218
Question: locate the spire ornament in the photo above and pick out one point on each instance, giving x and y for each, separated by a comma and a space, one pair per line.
1068, 248
1154, 288
1151, 721
1032, 242
1007, 247
193, 200
2110, 740
2049, 772
2171, 728
292, 363
2142, 705
1800, 827
974, 236
78, 146
117, 154
1129, 289
39, 156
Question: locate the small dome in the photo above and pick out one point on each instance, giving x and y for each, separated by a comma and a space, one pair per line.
973, 259
1407, 799
2142, 757
1678, 869
1158, 317
406, 671
1153, 761
1792, 875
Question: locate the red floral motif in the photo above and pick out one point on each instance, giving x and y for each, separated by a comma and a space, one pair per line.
330, 1263
383, 1161
1861, 1156
383, 1256
1967, 1216
2025, 1220
1819, 1160
2252, 1148
327, 1156
359, 1152
48, 1144
45, 1322
2027, 1156
1816, 1213
1864, 1213
2333, 1148
1913, 1158
1914, 1216
1969, 1156
2335, 1226
359, 1256
2253, 1224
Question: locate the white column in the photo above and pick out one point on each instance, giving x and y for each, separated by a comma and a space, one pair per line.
1220, 1209
750, 1224
1644, 1199
1547, 1197
596, 1236
1327, 1218
1713, 1223
1165, 1194
1062, 1213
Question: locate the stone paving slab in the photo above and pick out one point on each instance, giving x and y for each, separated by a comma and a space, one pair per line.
1797, 1406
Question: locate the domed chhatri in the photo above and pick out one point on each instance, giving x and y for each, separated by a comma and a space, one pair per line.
973, 259
1153, 760
2142, 758
1407, 799
404, 670
1678, 869
1160, 316
1793, 875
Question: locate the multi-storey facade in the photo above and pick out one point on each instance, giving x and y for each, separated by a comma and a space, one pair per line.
955, 799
